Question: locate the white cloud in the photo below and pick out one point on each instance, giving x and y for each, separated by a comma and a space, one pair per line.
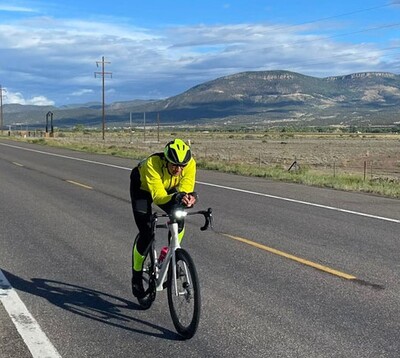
18, 98
11, 8
40, 101
81, 92
59, 56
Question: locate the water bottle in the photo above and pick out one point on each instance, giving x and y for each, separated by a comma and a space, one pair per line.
163, 253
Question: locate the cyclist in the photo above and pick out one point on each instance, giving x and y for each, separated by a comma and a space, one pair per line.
165, 179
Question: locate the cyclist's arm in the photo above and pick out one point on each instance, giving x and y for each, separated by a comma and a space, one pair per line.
187, 184
188, 179
152, 181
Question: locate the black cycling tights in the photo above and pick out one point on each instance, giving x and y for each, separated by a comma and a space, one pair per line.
141, 206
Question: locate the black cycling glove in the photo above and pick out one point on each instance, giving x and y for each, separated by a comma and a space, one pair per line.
177, 198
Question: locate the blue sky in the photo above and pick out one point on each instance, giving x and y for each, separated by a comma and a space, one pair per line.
161, 48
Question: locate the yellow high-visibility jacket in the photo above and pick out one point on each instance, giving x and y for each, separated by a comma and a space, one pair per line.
155, 178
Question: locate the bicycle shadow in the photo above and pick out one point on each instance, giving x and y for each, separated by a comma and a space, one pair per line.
89, 303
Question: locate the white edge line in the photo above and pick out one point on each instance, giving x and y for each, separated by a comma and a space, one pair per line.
28, 328
302, 202
221, 186
64, 156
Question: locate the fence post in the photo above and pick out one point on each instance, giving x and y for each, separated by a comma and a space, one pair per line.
371, 169
365, 169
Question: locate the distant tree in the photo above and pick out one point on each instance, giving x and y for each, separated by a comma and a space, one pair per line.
78, 128
353, 129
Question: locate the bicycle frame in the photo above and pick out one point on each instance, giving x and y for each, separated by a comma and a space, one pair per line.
170, 258
172, 225
176, 273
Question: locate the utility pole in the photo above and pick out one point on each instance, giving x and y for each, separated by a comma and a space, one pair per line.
103, 75
1, 109
130, 127
144, 127
158, 127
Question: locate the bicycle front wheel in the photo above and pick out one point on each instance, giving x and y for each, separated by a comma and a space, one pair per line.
184, 295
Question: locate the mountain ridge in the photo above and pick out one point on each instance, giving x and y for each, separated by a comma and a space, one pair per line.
254, 98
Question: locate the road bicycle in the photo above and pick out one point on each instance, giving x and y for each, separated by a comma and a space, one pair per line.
176, 272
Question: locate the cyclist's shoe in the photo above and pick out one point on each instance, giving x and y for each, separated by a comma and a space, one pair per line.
137, 284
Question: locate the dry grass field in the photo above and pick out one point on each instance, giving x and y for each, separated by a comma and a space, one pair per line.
369, 157
377, 154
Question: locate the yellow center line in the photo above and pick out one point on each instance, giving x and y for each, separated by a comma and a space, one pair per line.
79, 184
18, 164
294, 258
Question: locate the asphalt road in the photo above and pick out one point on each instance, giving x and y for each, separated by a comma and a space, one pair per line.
317, 277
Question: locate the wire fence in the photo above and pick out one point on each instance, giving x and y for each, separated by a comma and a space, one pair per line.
373, 157
368, 169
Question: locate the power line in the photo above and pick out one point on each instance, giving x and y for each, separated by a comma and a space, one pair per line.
382, 27
337, 35
355, 32
334, 16
295, 43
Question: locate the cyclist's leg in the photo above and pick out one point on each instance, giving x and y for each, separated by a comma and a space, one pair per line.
139, 249
181, 230
168, 207
141, 207
143, 222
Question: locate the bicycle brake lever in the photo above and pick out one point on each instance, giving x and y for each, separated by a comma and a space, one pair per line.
208, 220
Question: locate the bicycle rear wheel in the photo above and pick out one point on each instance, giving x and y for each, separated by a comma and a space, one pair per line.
147, 277
184, 295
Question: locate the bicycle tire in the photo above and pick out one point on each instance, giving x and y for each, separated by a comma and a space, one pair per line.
147, 277
184, 308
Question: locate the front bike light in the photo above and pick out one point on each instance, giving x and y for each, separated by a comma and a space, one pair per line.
179, 214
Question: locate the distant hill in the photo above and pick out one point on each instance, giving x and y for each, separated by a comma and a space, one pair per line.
248, 98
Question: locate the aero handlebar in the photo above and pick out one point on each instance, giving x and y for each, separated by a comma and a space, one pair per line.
208, 223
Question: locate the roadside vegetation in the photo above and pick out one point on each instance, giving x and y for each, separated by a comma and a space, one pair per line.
350, 161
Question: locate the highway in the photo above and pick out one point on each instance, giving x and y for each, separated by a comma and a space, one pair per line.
289, 271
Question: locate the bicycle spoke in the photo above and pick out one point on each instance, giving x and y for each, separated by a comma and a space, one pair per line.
184, 295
